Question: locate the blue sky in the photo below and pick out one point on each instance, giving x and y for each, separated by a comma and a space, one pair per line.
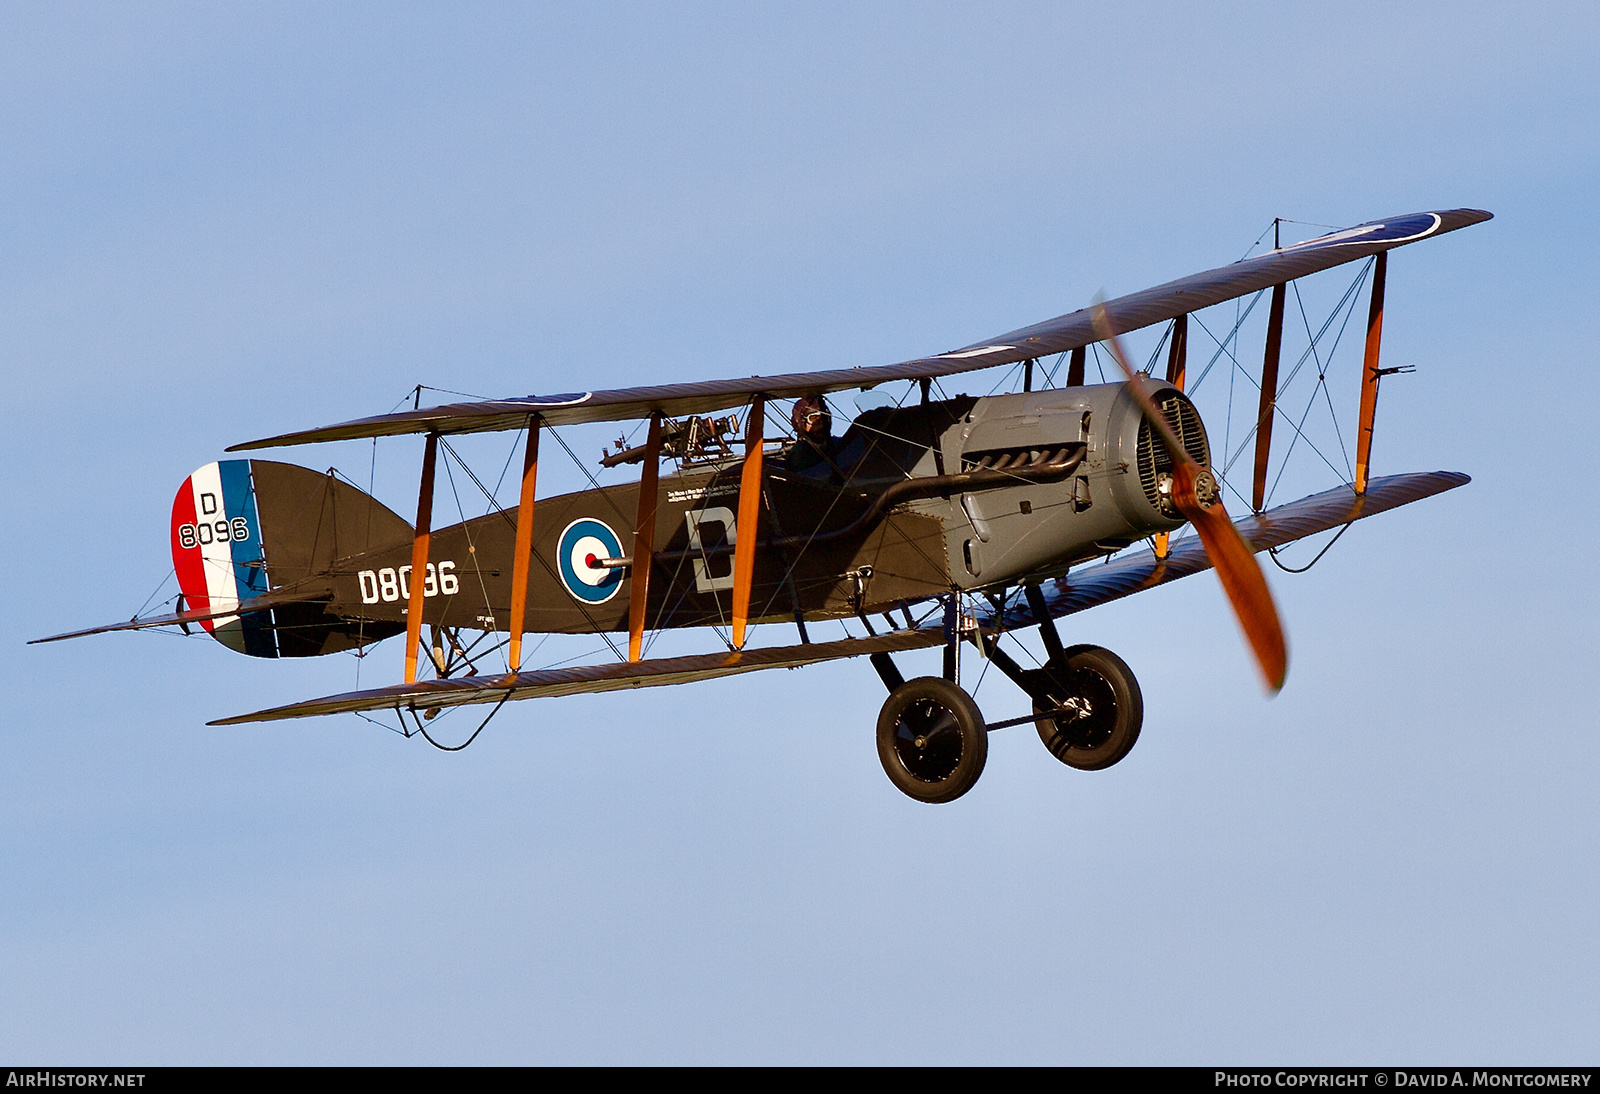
220, 223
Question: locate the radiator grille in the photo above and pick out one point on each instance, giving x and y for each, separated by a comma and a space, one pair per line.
1153, 457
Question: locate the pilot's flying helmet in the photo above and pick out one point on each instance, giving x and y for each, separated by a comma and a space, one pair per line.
811, 416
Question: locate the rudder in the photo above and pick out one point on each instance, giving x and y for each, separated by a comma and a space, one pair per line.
244, 528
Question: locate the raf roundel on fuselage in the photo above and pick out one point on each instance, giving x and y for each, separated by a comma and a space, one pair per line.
582, 544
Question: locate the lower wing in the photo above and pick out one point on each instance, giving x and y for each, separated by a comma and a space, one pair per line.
1074, 593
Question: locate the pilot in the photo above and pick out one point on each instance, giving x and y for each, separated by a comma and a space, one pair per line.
813, 435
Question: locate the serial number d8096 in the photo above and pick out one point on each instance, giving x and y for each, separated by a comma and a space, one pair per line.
394, 583
208, 532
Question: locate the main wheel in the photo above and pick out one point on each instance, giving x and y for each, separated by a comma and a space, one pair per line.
1107, 708
932, 740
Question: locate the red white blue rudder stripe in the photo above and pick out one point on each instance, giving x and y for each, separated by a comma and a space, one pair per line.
216, 551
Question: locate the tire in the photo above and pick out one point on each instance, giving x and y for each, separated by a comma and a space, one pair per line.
1116, 708
954, 743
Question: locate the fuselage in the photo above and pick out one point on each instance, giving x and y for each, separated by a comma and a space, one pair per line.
977, 498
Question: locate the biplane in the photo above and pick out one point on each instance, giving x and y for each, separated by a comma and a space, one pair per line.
929, 522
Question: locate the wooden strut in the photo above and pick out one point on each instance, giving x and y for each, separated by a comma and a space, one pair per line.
1370, 374
1075, 366
1046, 623
1269, 396
644, 538
419, 557
520, 562
744, 549
952, 637
1178, 352
1177, 370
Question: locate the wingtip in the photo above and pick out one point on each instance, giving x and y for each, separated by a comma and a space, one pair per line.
264, 442
1462, 218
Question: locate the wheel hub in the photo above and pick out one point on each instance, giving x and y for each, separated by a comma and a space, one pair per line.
1075, 708
928, 741
932, 740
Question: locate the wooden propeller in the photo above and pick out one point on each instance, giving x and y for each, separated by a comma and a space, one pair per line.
1199, 498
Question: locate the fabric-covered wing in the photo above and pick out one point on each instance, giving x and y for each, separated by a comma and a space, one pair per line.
1092, 585
1065, 332
1084, 588
571, 681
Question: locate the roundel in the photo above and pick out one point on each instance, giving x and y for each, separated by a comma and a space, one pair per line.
584, 542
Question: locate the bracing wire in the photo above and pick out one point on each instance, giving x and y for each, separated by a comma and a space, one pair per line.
505, 514
1346, 306
172, 573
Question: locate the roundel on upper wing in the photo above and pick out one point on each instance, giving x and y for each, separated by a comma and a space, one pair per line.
569, 398
583, 543
1406, 229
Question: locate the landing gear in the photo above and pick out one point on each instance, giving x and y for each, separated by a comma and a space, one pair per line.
932, 740
1104, 708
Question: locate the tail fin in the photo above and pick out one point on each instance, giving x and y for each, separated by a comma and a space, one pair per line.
244, 528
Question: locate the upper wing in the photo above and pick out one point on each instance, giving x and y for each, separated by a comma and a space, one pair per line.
1081, 589
1065, 332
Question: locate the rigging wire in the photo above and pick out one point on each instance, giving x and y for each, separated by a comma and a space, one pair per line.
377, 722
511, 455
1005, 380
1222, 344
666, 611
1298, 434
1050, 377
1347, 305
172, 573
506, 515
822, 521
420, 388
1322, 372
1273, 229
1155, 354
859, 465
586, 474
466, 527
